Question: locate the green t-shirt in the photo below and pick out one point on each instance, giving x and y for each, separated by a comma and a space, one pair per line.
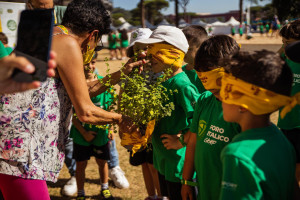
112, 41
194, 79
9, 50
267, 27
102, 100
213, 134
258, 164
292, 119
59, 12
170, 162
3, 51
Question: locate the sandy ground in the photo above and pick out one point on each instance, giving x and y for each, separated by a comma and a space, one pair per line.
137, 189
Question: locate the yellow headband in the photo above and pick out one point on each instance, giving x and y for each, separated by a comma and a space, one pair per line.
211, 79
257, 100
135, 140
166, 54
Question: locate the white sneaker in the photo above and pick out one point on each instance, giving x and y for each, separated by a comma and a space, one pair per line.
70, 188
117, 175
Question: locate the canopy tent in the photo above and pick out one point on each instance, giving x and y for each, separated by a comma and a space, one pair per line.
126, 26
232, 22
112, 28
149, 25
182, 23
218, 23
198, 22
165, 23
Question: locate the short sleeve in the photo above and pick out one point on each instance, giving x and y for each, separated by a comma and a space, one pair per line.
187, 99
195, 121
241, 180
3, 51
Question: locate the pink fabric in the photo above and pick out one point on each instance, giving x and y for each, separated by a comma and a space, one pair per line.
13, 188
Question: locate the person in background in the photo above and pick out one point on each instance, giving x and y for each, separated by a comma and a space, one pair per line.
4, 40
232, 31
124, 43
112, 45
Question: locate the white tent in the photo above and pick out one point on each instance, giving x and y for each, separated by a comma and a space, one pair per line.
232, 22
113, 28
198, 22
126, 26
165, 23
218, 23
122, 20
182, 23
149, 25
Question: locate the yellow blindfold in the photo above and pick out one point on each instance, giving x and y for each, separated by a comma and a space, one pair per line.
211, 79
166, 54
135, 140
257, 100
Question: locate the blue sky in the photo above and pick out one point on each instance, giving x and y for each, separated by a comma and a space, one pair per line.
200, 6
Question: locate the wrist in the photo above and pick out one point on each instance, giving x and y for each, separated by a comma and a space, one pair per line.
189, 183
181, 140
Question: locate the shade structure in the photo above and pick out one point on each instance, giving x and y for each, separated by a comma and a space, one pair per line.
182, 23
165, 23
218, 23
199, 22
149, 25
126, 26
232, 22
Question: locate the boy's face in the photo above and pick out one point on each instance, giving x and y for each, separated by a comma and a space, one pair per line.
231, 113
90, 68
157, 66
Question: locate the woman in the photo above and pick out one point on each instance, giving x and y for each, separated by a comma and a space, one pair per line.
34, 124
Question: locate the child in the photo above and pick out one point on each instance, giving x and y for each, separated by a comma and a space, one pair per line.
144, 157
209, 133
91, 141
167, 47
124, 43
195, 35
259, 163
112, 45
290, 125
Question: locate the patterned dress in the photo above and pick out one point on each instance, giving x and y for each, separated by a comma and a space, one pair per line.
33, 131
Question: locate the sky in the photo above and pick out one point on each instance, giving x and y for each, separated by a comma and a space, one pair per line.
198, 6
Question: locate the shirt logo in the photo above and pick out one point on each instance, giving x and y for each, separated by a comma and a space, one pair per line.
201, 128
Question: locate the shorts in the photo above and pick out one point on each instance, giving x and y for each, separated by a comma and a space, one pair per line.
144, 156
83, 153
293, 135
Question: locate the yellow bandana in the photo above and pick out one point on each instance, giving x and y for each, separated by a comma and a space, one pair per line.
166, 54
211, 79
257, 100
135, 140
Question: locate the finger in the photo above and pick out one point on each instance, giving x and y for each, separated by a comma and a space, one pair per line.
51, 73
53, 55
21, 63
51, 64
28, 86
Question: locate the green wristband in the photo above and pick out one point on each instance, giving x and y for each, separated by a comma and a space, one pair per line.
190, 183
181, 140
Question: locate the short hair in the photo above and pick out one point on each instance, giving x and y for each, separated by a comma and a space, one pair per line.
84, 16
213, 51
3, 38
262, 68
291, 30
195, 34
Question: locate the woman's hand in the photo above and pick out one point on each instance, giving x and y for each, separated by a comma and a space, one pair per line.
9, 63
171, 141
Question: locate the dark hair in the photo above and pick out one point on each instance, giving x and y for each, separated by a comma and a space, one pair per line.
195, 34
84, 16
264, 69
124, 35
130, 52
3, 38
214, 50
291, 30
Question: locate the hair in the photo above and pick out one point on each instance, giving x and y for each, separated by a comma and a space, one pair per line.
130, 52
3, 38
213, 51
195, 35
84, 16
291, 30
124, 35
262, 68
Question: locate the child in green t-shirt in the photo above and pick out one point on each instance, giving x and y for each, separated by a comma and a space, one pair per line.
195, 35
90, 140
167, 48
290, 125
259, 163
209, 133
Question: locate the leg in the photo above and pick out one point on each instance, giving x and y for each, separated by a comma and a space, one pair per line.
80, 174
114, 155
163, 185
148, 179
174, 190
103, 170
154, 174
14, 187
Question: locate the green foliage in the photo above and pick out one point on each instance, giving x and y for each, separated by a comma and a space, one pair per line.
287, 8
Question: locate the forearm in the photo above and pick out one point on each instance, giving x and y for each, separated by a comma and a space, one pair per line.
188, 168
78, 125
97, 87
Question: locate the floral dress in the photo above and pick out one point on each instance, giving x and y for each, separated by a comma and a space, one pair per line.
33, 131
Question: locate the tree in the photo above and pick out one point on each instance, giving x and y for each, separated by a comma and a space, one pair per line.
183, 4
142, 13
120, 12
287, 8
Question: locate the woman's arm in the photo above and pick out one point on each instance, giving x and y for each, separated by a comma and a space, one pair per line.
70, 69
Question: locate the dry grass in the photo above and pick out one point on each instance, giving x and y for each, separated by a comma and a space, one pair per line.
137, 189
